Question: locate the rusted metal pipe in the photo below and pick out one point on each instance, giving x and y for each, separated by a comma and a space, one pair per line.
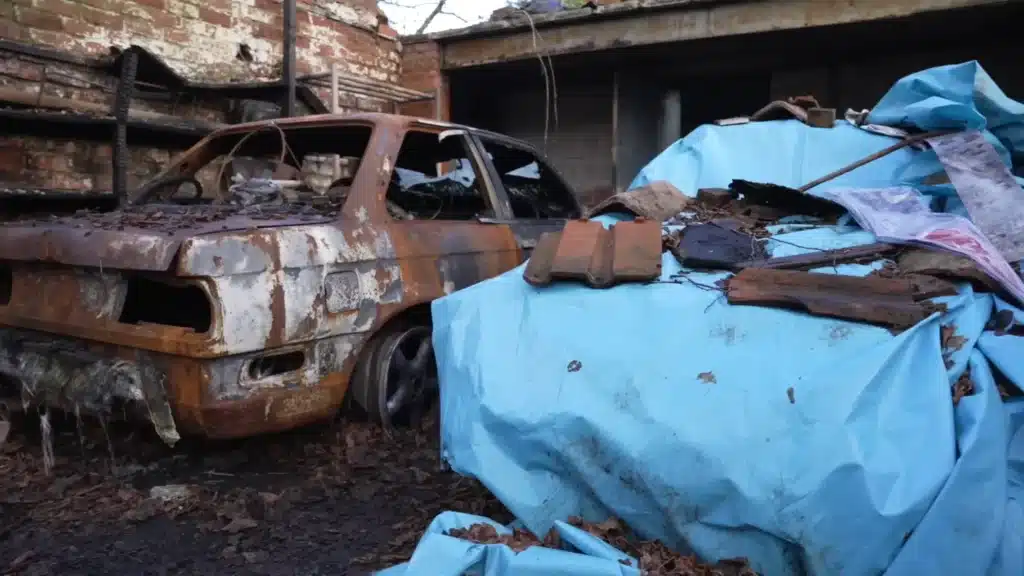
122, 103
288, 64
909, 140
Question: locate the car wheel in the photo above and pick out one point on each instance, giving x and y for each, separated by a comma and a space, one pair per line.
398, 376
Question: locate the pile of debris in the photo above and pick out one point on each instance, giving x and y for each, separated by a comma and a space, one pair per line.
689, 405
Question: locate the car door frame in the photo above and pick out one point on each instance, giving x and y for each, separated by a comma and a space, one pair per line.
527, 231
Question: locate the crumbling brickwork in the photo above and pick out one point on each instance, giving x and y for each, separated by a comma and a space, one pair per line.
70, 165
204, 39
421, 70
211, 41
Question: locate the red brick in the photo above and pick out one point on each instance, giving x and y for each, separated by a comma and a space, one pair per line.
157, 18
80, 28
10, 30
214, 17
113, 6
156, 4
268, 32
32, 18
178, 36
218, 5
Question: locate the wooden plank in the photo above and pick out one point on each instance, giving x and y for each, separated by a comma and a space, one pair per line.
881, 301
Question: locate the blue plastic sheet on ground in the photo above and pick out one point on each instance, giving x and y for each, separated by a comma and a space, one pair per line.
808, 445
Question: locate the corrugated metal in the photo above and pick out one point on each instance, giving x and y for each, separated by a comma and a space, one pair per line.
580, 145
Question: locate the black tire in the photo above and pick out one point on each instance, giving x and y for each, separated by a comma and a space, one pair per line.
396, 379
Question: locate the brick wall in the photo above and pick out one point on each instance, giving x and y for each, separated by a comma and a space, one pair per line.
202, 40
421, 70
71, 165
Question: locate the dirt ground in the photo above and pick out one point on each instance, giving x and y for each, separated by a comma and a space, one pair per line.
339, 498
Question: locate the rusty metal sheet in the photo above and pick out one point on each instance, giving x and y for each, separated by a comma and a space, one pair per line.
87, 247
881, 301
636, 251
657, 201
538, 269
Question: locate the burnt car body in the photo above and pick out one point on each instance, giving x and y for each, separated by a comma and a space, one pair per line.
233, 311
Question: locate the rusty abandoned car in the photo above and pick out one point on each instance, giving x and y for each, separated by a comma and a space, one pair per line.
271, 271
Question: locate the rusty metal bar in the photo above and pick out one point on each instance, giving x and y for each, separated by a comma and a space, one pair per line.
122, 103
288, 65
869, 159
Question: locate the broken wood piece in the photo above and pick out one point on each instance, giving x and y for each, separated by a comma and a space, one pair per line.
852, 255
874, 300
714, 197
927, 287
538, 269
945, 265
788, 200
821, 117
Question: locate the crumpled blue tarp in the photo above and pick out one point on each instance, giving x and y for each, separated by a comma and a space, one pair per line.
809, 445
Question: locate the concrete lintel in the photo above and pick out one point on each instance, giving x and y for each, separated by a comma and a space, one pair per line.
689, 22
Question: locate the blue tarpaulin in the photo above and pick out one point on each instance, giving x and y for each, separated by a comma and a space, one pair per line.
809, 445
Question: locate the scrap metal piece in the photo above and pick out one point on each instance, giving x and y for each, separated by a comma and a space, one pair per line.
657, 201
84, 383
538, 269
636, 251
880, 301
